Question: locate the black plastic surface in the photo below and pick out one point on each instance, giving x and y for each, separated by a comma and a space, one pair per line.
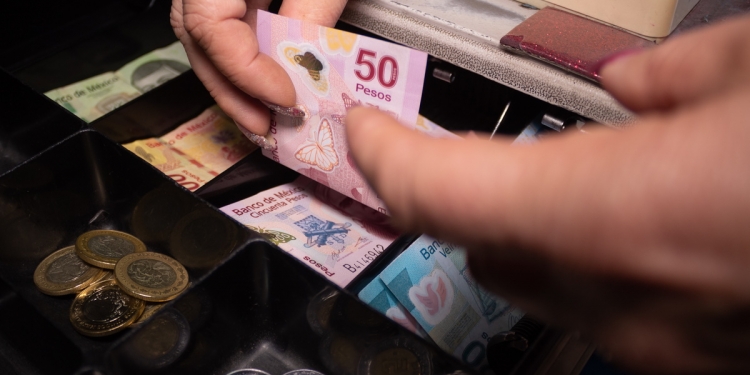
261, 308
264, 310
156, 112
87, 182
29, 123
49, 44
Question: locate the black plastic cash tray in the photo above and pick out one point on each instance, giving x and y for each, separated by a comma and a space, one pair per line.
29, 123
247, 310
250, 304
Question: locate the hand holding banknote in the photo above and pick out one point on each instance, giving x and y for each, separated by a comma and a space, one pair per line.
636, 238
220, 41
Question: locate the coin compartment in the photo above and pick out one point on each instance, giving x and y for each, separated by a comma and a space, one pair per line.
88, 182
263, 309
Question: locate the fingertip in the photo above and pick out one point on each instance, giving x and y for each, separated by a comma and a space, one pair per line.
273, 84
614, 69
626, 78
361, 121
249, 115
618, 60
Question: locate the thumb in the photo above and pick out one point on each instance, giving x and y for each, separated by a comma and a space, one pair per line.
320, 12
690, 67
454, 188
566, 199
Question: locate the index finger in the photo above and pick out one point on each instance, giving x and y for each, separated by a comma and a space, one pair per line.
688, 68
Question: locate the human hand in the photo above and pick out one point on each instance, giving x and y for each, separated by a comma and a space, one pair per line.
219, 39
636, 238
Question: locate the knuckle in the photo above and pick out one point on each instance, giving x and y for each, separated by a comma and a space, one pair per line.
198, 28
175, 20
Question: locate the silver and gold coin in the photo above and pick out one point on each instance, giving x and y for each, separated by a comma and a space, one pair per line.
248, 371
63, 272
203, 238
103, 309
396, 356
150, 276
103, 248
341, 354
158, 343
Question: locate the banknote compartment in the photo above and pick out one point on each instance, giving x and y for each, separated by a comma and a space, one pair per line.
170, 105
88, 182
263, 309
29, 123
156, 112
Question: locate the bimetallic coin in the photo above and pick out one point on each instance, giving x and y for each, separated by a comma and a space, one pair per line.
203, 238
341, 354
103, 248
63, 272
103, 309
150, 276
158, 343
397, 356
196, 306
157, 213
248, 371
304, 372
319, 310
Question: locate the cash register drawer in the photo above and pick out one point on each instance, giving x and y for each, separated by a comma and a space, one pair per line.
250, 305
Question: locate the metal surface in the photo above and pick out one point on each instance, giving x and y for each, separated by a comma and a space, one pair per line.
553, 123
467, 34
500, 121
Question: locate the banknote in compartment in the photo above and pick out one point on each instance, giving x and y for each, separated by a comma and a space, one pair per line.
431, 280
332, 234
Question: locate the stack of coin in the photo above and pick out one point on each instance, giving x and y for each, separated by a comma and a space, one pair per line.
118, 282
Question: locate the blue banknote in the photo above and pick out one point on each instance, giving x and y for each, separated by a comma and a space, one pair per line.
431, 280
380, 298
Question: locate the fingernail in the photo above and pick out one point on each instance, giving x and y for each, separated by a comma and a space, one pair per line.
614, 57
263, 142
296, 111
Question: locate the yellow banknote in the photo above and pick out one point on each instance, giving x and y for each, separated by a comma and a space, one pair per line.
186, 171
211, 138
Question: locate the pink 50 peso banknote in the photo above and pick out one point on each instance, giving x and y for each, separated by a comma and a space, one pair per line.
334, 71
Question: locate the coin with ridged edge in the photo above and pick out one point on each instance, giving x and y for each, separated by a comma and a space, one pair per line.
104, 247
103, 309
63, 272
401, 355
248, 371
150, 276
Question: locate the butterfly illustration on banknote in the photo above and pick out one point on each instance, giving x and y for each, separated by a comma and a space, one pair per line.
318, 150
311, 63
145, 155
275, 236
305, 60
